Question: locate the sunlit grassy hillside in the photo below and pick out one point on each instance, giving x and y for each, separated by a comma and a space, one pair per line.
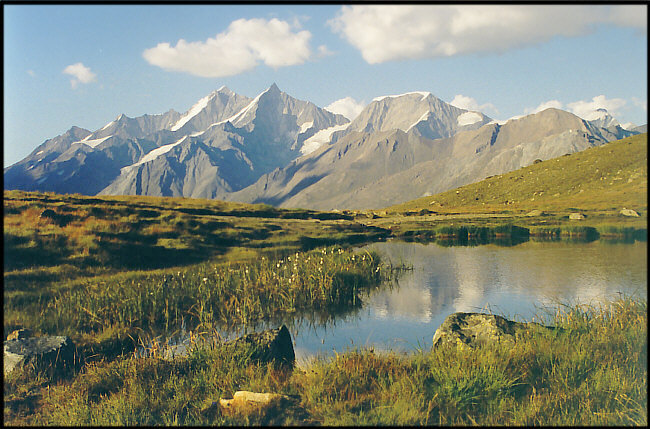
47, 229
606, 179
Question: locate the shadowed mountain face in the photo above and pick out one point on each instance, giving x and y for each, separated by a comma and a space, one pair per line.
288, 152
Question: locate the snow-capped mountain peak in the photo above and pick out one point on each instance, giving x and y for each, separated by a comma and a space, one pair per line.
418, 112
237, 117
422, 94
629, 126
193, 111
216, 107
601, 118
274, 96
469, 118
107, 125
259, 149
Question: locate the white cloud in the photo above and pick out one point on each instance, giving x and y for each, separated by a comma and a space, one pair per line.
323, 51
348, 107
587, 109
463, 102
240, 48
393, 32
468, 103
31, 73
629, 17
555, 104
640, 103
80, 73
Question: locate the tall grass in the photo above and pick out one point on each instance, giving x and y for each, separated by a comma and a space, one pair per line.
147, 233
625, 232
571, 231
210, 295
592, 370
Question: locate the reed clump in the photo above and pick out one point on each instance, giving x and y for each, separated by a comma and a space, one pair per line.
210, 295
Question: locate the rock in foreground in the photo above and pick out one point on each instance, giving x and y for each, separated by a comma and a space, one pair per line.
472, 329
629, 212
41, 351
264, 409
243, 398
274, 345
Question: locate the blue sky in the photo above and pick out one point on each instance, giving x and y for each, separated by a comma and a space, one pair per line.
85, 65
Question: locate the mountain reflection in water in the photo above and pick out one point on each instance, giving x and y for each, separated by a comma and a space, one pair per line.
519, 282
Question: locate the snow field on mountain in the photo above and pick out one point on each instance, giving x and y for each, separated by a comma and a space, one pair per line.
424, 95
194, 110
469, 118
150, 156
92, 143
320, 138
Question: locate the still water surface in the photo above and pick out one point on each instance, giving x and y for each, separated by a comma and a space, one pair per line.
518, 282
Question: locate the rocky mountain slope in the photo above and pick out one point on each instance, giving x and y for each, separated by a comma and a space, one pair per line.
388, 167
287, 152
419, 112
223, 143
606, 178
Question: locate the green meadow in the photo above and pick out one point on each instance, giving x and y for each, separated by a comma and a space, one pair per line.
113, 272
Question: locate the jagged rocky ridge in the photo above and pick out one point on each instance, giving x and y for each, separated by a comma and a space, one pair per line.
374, 170
287, 152
221, 144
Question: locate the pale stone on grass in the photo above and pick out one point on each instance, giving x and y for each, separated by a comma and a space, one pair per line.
244, 398
629, 212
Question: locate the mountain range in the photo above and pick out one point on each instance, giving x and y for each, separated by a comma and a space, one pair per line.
287, 152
